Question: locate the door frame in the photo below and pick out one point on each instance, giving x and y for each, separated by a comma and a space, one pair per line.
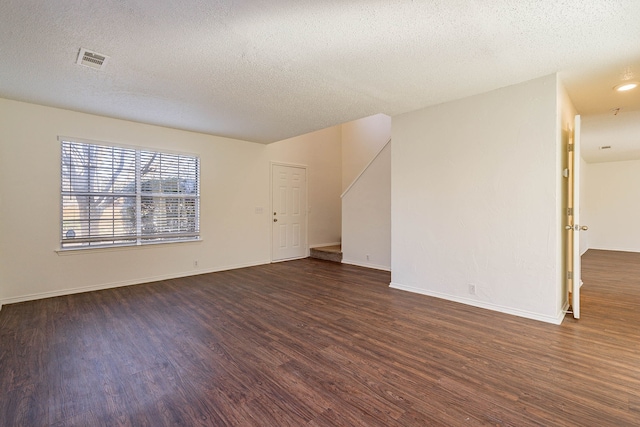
306, 207
572, 226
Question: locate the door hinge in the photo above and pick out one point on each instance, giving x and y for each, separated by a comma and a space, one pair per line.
570, 147
569, 211
569, 275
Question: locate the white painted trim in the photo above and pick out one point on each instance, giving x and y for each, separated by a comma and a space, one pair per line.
366, 265
615, 249
565, 309
293, 165
306, 208
365, 169
289, 259
135, 247
322, 245
508, 310
123, 145
139, 281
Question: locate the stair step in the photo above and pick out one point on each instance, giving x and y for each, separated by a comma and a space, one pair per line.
328, 253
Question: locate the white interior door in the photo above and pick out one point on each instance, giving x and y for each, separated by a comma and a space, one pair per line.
289, 219
573, 224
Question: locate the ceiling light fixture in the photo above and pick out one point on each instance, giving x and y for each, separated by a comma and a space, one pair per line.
626, 86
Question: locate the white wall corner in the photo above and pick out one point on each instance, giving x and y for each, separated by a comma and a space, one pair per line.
366, 215
458, 207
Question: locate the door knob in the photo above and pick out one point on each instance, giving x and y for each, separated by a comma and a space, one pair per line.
584, 228
275, 219
568, 227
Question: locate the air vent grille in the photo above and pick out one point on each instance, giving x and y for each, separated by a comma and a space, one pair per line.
91, 59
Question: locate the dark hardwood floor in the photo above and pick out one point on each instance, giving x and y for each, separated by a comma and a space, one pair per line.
313, 343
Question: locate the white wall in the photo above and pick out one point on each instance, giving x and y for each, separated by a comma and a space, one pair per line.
612, 201
361, 140
234, 181
619, 130
475, 200
366, 216
366, 184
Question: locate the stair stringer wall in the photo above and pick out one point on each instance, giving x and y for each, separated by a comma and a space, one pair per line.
366, 216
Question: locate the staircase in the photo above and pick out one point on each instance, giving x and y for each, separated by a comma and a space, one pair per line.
328, 253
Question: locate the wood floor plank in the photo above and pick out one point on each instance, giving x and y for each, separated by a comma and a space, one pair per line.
314, 343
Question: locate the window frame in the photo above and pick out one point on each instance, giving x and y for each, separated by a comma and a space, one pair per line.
139, 237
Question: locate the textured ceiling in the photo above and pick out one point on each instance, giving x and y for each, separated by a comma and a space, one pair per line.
266, 70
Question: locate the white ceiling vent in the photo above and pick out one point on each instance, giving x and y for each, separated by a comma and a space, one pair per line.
92, 59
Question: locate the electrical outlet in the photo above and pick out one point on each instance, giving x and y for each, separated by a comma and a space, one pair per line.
195, 263
367, 257
472, 289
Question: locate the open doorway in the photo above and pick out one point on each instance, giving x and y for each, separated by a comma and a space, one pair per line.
610, 177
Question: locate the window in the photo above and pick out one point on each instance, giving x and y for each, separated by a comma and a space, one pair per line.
113, 196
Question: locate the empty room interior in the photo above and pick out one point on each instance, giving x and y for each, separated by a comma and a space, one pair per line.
330, 213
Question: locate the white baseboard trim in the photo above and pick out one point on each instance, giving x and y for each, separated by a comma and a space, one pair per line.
70, 291
366, 265
556, 320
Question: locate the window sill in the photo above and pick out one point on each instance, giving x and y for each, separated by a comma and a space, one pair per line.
79, 251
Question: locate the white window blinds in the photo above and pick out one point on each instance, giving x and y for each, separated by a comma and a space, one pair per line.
121, 196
